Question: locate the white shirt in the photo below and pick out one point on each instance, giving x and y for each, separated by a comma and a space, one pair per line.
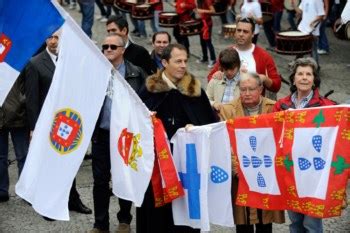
52, 56
247, 59
311, 9
345, 15
250, 9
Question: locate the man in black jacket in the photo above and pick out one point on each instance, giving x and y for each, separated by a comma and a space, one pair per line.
134, 53
13, 122
38, 77
178, 100
113, 48
160, 40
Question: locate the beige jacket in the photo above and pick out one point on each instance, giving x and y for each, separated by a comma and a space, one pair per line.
230, 111
215, 90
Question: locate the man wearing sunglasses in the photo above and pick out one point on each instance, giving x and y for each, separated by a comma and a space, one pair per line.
38, 77
254, 59
134, 53
113, 48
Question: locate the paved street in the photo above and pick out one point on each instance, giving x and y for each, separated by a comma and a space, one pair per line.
17, 216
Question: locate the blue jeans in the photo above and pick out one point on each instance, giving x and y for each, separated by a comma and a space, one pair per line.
302, 223
20, 140
322, 40
230, 16
154, 24
87, 10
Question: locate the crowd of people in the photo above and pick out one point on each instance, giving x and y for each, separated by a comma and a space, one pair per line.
243, 81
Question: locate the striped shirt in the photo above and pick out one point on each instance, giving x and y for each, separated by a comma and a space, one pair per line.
304, 101
229, 92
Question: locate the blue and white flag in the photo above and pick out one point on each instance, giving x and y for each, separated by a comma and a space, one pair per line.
202, 157
24, 27
66, 123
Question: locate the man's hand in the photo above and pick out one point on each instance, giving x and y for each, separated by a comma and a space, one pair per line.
188, 127
217, 106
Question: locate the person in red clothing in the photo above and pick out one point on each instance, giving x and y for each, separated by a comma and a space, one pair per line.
304, 94
304, 87
184, 8
205, 8
254, 59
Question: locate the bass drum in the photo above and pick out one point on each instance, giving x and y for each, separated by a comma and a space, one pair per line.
125, 5
266, 11
293, 43
191, 27
142, 12
168, 19
229, 30
341, 31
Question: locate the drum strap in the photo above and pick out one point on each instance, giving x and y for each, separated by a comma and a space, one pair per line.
164, 171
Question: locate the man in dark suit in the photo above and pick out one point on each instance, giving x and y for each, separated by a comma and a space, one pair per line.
140, 57
38, 77
134, 53
113, 48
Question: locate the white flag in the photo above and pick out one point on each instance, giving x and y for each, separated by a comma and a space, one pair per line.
202, 157
312, 154
66, 123
256, 151
131, 143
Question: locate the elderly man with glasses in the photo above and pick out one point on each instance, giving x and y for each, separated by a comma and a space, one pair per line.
113, 48
250, 103
254, 59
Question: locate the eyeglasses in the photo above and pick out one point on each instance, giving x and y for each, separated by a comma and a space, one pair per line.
248, 89
112, 46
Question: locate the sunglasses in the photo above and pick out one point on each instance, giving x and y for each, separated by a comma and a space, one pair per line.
112, 46
247, 20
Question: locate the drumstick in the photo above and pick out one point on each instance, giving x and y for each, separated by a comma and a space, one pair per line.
338, 28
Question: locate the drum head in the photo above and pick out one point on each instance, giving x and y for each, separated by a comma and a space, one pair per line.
170, 14
292, 33
230, 26
143, 6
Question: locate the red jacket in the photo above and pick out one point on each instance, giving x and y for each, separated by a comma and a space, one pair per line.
316, 101
264, 65
186, 11
158, 6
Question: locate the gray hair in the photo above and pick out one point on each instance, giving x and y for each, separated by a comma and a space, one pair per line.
119, 38
308, 61
246, 76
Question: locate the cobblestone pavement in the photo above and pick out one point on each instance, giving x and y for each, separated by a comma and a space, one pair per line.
17, 216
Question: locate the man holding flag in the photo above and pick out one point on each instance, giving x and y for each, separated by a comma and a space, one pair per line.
113, 48
177, 98
38, 77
